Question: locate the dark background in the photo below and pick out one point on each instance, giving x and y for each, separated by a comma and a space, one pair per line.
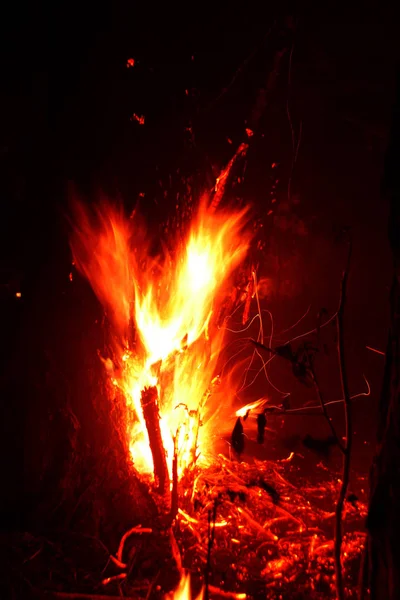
67, 98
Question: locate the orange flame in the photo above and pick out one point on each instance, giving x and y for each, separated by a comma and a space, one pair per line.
170, 299
241, 412
182, 592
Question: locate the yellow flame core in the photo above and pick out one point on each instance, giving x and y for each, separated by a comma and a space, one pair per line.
182, 592
171, 301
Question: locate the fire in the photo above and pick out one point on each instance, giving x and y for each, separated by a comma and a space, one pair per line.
241, 412
182, 592
170, 300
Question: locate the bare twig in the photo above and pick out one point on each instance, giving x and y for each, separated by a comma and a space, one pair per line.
151, 586
323, 408
229, 595
118, 563
212, 517
304, 410
239, 71
295, 144
256, 526
174, 493
176, 555
118, 577
135, 530
348, 431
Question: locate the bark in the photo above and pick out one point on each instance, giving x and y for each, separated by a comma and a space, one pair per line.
383, 521
149, 401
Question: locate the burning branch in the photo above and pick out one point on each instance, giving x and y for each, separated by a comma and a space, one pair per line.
220, 184
174, 493
149, 402
135, 530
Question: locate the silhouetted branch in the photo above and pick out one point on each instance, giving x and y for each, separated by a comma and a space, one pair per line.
212, 517
348, 431
323, 408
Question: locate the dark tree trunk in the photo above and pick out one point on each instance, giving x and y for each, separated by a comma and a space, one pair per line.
384, 511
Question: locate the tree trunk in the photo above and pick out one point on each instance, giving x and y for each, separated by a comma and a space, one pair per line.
383, 521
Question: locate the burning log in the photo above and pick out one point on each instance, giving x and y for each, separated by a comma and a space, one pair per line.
149, 402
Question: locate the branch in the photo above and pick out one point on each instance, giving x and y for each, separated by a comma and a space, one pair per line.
229, 595
349, 431
149, 402
325, 412
212, 517
239, 71
134, 530
174, 493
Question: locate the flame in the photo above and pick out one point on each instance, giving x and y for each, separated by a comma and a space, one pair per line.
170, 299
182, 592
241, 412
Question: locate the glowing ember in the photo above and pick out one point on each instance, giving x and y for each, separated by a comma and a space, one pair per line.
138, 118
170, 300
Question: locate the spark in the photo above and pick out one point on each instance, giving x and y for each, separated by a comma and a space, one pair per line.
315, 330
376, 351
138, 118
297, 322
312, 406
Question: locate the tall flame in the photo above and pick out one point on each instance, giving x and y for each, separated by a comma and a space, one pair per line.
170, 300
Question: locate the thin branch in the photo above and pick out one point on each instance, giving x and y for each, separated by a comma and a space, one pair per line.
295, 145
174, 492
239, 71
311, 331
317, 388
304, 409
212, 517
135, 530
295, 159
113, 578
229, 595
323, 408
348, 431
289, 116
